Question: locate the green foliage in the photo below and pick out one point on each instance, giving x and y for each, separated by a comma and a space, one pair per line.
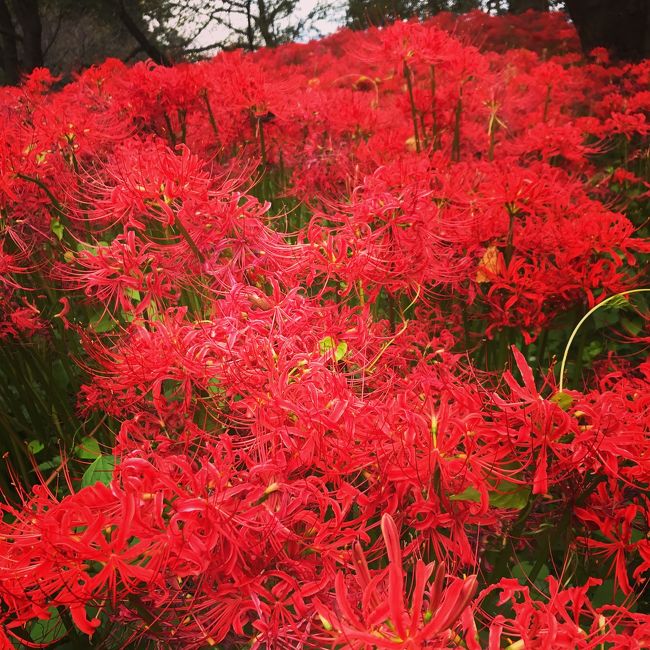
99, 471
505, 495
57, 228
361, 14
49, 630
339, 349
617, 302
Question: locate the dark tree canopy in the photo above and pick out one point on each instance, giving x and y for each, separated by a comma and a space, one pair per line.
361, 14
621, 26
520, 6
66, 35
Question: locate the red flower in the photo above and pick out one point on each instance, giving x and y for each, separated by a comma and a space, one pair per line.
387, 619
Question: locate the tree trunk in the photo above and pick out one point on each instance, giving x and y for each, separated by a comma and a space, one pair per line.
264, 26
462, 6
520, 6
26, 12
148, 46
434, 7
250, 30
621, 26
9, 50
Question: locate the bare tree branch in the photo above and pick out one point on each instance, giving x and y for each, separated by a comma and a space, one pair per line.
147, 45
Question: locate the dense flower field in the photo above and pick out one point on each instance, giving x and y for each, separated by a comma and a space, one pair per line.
281, 338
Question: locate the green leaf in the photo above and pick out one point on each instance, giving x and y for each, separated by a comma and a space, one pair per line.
619, 301
328, 343
341, 350
48, 631
606, 317
468, 494
592, 350
632, 327
504, 495
34, 446
607, 594
103, 322
60, 374
564, 401
522, 570
215, 387
57, 227
99, 471
50, 464
510, 496
87, 449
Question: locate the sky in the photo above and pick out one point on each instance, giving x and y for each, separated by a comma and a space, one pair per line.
322, 27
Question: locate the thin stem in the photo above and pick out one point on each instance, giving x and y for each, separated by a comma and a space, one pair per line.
213, 122
260, 132
409, 85
190, 242
455, 145
547, 103
541, 345
512, 213
55, 202
582, 320
434, 112
170, 128
182, 113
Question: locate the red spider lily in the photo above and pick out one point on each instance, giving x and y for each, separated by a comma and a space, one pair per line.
141, 184
565, 618
619, 530
123, 275
544, 422
305, 348
386, 619
22, 321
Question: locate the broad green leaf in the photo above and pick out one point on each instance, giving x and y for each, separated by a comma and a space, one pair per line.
215, 387
128, 317
341, 350
99, 471
48, 631
468, 494
57, 228
34, 446
522, 570
504, 495
50, 464
509, 495
608, 594
592, 350
102, 323
606, 317
328, 343
88, 448
619, 301
91, 248
60, 374
564, 401
632, 327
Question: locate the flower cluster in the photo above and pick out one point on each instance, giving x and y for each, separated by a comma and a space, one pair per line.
313, 296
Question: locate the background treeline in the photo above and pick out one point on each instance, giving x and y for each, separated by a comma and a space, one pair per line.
66, 35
